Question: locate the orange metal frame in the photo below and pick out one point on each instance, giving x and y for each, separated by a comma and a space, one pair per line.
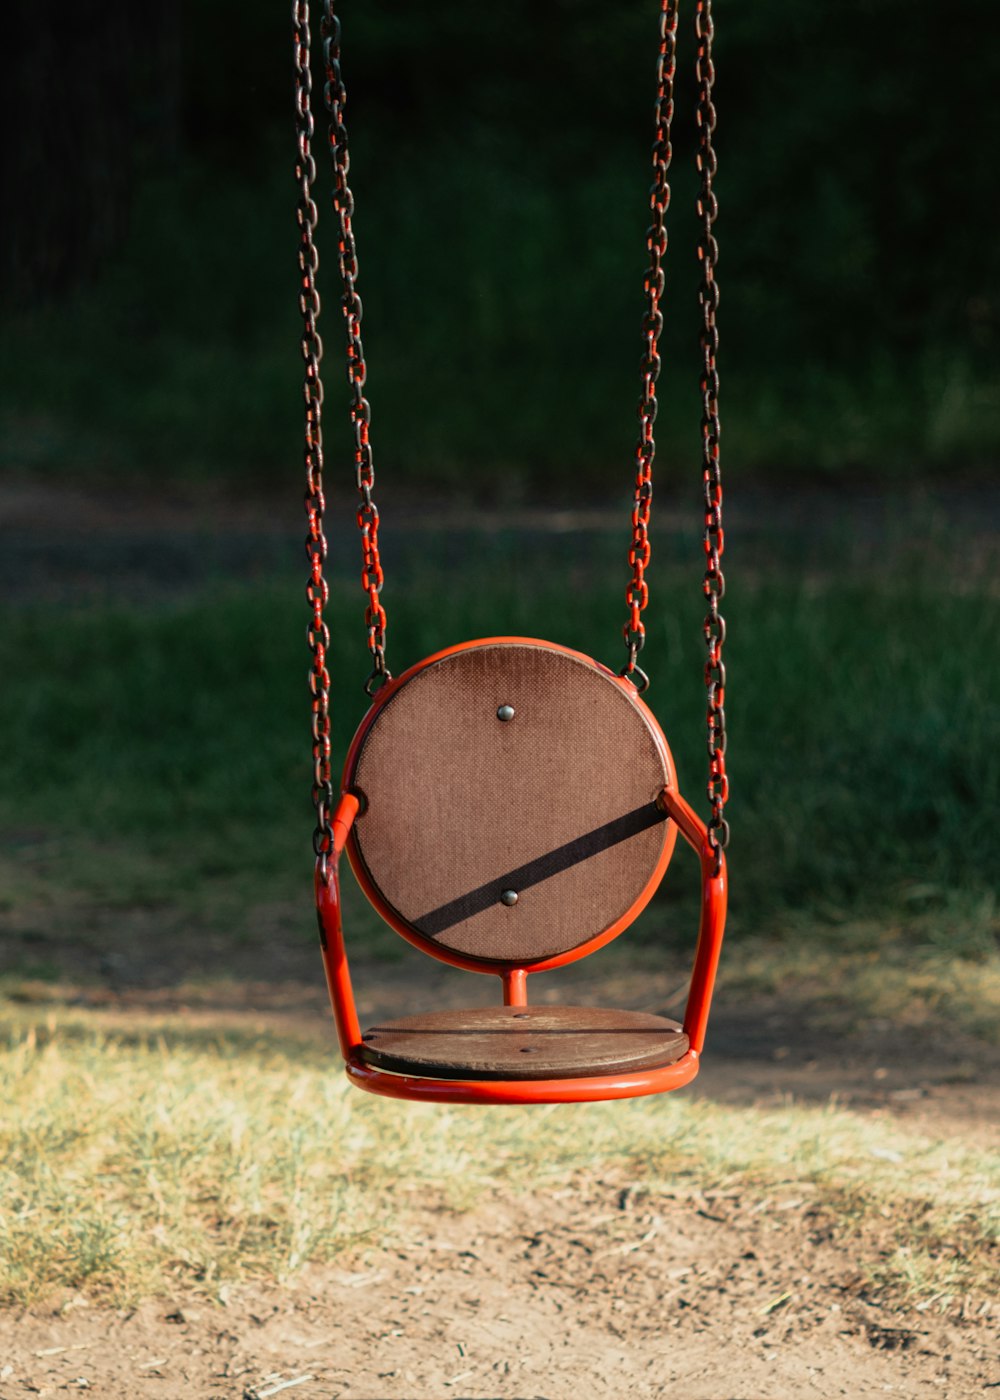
514, 979
514, 982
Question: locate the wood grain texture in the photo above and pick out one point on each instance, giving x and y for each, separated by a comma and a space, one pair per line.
524, 1042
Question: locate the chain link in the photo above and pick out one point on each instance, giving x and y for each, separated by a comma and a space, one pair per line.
714, 585
317, 592
637, 593
372, 578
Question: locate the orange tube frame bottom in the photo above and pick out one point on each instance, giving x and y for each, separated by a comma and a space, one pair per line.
526, 1091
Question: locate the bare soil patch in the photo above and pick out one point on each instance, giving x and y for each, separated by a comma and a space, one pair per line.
598, 1291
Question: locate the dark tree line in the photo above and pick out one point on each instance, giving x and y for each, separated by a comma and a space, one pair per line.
858, 139
91, 94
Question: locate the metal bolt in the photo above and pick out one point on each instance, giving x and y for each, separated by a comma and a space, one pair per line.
508, 897
505, 712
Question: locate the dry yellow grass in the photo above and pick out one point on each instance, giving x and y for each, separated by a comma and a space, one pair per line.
131, 1162
895, 973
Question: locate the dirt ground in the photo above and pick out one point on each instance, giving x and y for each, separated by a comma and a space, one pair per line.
710, 1299
598, 1290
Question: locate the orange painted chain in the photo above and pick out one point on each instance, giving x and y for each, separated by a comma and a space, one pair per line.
317, 592
372, 577
637, 593
714, 539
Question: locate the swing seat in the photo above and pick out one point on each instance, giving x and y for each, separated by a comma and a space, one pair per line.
508, 807
523, 1042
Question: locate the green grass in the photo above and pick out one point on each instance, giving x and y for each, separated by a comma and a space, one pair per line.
161, 756
497, 371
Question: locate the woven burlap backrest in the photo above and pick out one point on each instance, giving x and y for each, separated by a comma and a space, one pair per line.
466, 805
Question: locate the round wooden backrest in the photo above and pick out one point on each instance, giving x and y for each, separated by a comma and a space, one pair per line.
509, 811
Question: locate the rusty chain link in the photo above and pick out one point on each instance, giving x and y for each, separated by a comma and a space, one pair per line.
317, 592
372, 578
714, 584
317, 589
714, 626
637, 593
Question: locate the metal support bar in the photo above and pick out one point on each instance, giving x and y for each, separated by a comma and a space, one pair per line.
338, 976
515, 987
714, 894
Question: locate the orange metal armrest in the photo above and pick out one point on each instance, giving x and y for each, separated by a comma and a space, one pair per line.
338, 976
713, 914
710, 932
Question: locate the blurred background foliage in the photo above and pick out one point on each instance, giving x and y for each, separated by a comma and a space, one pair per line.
500, 165
149, 342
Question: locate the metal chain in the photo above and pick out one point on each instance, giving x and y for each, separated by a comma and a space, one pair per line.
714, 540
372, 578
317, 592
637, 593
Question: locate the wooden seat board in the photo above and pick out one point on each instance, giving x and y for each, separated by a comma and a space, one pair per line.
524, 1042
